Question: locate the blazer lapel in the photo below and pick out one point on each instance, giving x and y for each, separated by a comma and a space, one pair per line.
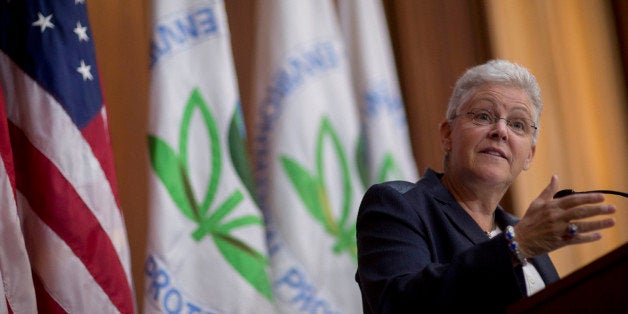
458, 217
464, 223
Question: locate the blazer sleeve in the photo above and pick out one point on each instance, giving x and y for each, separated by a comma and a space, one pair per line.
403, 266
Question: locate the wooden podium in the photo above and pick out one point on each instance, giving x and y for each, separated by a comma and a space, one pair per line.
599, 287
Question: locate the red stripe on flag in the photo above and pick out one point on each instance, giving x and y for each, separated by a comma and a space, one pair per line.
5, 145
96, 133
57, 204
9, 309
45, 303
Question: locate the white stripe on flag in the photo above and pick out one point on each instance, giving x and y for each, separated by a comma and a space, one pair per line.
3, 299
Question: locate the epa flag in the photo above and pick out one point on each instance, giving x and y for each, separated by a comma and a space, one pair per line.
305, 149
385, 148
65, 183
206, 244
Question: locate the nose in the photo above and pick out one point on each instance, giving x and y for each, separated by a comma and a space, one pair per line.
499, 131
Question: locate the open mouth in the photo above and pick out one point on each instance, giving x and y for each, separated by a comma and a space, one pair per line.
494, 152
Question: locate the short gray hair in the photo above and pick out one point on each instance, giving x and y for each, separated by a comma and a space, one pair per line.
498, 72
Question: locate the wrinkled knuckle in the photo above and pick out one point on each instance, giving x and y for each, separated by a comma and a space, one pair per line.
552, 216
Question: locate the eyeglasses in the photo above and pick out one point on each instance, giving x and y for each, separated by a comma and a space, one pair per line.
518, 125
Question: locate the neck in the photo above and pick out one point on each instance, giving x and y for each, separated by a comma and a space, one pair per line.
479, 202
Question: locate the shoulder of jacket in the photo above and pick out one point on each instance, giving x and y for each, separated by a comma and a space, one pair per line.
400, 186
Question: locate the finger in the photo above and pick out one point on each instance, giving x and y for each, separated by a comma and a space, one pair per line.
582, 212
584, 238
576, 200
550, 189
589, 226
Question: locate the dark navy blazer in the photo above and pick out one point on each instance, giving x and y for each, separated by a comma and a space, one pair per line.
420, 251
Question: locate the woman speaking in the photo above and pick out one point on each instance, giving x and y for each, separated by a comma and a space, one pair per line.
444, 244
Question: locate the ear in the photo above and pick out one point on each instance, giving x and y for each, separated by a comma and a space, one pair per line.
528, 160
445, 135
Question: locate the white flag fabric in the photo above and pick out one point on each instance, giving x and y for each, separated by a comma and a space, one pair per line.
206, 249
387, 151
17, 291
305, 144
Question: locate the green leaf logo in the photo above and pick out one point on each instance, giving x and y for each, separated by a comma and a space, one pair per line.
237, 149
312, 190
172, 169
388, 169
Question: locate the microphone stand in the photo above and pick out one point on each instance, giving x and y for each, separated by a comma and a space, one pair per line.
563, 193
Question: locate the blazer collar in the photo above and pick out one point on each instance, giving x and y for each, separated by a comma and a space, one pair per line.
456, 214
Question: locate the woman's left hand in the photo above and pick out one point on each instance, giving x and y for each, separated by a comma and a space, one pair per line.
551, 223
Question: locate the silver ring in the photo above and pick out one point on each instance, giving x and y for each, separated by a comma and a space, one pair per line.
572, 229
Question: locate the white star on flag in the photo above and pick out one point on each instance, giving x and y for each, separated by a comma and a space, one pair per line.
79, 1
85, 70
43, 22
81, 32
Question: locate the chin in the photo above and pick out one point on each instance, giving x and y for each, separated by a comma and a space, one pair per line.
494, 175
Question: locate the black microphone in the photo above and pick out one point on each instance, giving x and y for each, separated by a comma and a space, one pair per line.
563, 193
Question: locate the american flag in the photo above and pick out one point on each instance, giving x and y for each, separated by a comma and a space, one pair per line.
66, 193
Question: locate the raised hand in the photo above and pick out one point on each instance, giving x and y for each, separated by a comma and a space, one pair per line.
550, 223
